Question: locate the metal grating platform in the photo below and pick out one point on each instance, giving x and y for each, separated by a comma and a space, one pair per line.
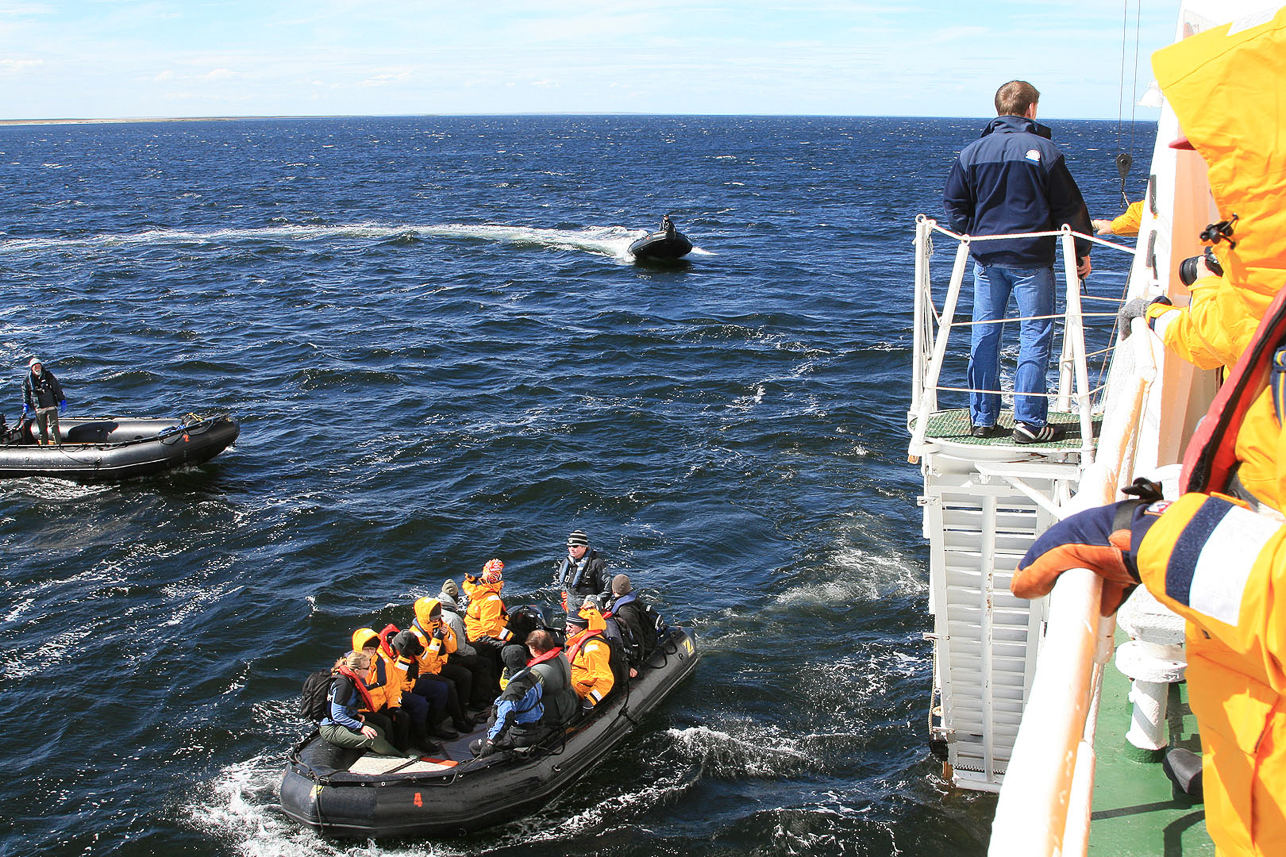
954, 426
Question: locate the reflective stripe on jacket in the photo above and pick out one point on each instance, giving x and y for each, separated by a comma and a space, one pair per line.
1223, 568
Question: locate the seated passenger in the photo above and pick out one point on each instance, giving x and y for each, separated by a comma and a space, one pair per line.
344, 726
551, 665
426, 701
437, 644
484, 677
486, 621
516, 722
590, 656
384, 683
637, 620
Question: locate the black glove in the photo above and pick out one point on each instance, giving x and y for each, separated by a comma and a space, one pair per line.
488, 747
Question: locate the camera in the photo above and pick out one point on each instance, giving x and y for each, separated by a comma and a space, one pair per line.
1188, 271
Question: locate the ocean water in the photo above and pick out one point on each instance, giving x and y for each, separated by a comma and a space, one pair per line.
440, 353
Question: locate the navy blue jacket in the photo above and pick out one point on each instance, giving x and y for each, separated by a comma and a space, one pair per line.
1013, 179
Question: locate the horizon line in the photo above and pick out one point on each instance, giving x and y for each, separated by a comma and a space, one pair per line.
125, 120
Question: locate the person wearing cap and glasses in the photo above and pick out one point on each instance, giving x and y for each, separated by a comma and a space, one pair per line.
42, 396
582, 573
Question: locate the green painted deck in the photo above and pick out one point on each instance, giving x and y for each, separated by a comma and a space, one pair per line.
1136, 809
953, 426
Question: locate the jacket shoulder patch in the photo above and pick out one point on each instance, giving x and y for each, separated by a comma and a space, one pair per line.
1033, 155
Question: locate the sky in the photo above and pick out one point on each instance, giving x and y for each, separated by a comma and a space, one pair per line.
98, 59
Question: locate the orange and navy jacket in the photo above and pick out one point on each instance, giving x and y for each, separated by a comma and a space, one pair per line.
1223, 568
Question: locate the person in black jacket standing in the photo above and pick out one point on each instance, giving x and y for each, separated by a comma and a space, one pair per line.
1014, 180
42, 396
582, 573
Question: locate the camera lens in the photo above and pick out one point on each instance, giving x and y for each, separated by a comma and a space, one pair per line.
1188, 270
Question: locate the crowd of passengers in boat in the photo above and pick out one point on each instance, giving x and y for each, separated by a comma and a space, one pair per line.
465, 657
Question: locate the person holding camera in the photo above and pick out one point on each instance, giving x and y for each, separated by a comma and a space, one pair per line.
1014, 180
1204, 333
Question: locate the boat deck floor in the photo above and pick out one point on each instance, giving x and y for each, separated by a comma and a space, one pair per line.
953, 427
453, 753
1136, 809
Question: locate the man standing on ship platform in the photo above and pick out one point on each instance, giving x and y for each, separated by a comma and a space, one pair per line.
1014, 180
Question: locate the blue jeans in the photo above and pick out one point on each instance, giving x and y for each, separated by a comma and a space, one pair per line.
1034, 288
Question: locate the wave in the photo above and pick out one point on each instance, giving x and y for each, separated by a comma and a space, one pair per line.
610, 241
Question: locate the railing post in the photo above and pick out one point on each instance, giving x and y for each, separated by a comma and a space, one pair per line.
939, 349
1074, 330
919, 309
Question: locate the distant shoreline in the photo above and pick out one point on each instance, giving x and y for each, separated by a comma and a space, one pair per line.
130, 119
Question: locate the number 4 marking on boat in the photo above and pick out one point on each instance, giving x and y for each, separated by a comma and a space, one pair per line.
418, 800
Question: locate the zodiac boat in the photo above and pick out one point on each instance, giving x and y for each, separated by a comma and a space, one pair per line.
660, 247
346, 793
111, 449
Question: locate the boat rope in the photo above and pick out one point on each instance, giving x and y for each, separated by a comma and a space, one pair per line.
1124, 160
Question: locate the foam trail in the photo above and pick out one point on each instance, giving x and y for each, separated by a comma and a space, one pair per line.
611, 241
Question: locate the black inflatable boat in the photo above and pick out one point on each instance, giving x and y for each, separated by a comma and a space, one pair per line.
105, 450
345, 793
661, 247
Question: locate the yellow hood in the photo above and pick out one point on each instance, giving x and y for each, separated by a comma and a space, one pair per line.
1226, 86
425, 608
364, 637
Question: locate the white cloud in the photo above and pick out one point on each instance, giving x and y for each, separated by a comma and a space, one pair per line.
15, 66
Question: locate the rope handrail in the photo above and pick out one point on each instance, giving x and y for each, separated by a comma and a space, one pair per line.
944, 388
1052, 233
934, 326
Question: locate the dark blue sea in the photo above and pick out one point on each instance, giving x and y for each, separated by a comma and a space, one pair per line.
440, 353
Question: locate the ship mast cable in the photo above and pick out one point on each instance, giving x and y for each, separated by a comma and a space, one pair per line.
1124, 160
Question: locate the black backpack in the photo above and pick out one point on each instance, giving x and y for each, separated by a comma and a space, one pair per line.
652, 621
314, 703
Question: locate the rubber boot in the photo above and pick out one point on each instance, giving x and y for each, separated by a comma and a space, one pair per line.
437, 728
1183, 767
420, 738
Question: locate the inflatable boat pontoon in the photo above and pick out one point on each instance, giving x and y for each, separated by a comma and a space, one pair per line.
104, 450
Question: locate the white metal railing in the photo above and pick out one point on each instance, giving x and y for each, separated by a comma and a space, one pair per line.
936, 328
1044, 805
1045, 801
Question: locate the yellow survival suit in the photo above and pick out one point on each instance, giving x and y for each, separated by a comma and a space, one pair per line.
1225, 85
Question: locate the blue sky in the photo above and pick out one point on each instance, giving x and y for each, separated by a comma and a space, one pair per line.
154, 58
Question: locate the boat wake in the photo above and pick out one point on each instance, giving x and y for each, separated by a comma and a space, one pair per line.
240, 807
610, 241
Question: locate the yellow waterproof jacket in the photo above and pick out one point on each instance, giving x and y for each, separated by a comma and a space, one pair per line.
384, 680
1213, 330
486, 616
1225, 86
591, 659
437, 640
1129, 222
1223, 568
